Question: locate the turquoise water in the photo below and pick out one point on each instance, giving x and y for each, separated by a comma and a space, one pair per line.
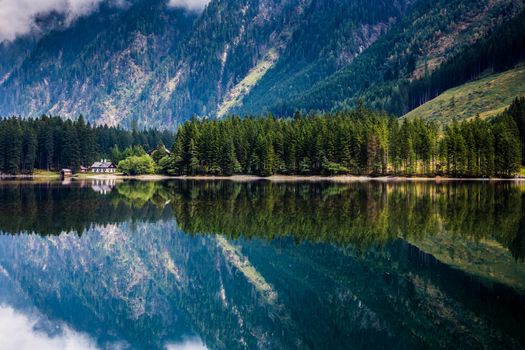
222, 265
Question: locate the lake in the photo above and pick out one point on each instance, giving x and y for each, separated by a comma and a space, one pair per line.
108, 264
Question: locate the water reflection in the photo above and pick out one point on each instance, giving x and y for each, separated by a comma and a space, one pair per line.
21, 331
155, 265
103, 186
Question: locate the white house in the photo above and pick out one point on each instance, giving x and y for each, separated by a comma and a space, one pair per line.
104, 166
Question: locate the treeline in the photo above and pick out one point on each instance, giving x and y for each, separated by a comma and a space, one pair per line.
356, 142
52, 143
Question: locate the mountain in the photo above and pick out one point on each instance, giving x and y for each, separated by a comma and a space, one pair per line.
148, 63
429, 37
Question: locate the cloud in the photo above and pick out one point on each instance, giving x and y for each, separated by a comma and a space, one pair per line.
17, 331
192, 5
17, 17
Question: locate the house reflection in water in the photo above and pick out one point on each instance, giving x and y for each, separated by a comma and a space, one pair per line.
103, 186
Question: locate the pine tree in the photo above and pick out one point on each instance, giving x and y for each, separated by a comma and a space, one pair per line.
13, 147
507, 146
29, 149
116, 155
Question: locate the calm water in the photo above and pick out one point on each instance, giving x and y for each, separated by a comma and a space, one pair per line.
221, 265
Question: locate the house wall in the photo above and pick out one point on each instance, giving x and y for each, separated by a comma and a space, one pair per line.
103, 170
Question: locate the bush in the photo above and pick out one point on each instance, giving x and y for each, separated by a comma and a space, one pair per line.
137, 165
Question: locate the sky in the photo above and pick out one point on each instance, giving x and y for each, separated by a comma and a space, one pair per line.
17, 17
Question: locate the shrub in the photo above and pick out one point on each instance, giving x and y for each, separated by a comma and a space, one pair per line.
137, 165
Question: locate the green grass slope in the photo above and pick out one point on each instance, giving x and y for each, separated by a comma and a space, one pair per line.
487, 97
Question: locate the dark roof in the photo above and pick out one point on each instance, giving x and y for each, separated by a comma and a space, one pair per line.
103, 165
166, 150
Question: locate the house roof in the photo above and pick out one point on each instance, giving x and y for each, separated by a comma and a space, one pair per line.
103, 165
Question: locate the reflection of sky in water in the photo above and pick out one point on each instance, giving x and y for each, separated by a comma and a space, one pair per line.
25, 332
190, 344
31, 331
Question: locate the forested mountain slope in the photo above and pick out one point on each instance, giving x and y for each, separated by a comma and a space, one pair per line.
485, 97
149, 63
97, 66
431, 34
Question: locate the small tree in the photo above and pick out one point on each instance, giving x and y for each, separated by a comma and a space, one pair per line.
137, 165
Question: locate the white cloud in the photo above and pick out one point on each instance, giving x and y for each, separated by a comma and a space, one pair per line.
192, 5
17, 17
17, 331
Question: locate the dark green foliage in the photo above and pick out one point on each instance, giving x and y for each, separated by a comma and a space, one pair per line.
357, 142
517, 112
137, 165
507, 146
52, 143
330, 35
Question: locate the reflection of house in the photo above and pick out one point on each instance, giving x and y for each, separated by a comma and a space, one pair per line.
103, 167
103, 186
66, 173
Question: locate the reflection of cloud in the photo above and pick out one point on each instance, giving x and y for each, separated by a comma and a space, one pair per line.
17, 331
189, 344
192, 5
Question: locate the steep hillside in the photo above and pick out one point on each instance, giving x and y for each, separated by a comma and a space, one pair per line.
485, 97
331, 35
212, 75
98, 66
433, 32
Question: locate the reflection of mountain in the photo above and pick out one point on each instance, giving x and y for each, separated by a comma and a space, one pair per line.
149, 284
360, 214
472, 226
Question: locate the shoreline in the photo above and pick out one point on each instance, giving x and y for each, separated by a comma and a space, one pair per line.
253, 178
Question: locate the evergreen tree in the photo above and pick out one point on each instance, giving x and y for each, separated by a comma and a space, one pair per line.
29, 149
507, 146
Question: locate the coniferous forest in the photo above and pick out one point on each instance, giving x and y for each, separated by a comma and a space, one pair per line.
51, 143
358, 142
